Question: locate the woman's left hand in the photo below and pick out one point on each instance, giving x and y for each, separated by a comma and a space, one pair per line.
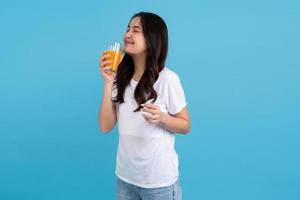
155, 115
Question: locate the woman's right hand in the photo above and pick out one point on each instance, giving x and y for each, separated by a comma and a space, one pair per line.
105, 69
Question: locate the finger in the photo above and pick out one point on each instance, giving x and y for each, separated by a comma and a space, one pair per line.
151, 117
106, 69
152, 121
151, 111
108, 72
150, 106
147, 117
149, 121
103, 57
104, 63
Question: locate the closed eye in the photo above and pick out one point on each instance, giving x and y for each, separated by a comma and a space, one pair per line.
136, 29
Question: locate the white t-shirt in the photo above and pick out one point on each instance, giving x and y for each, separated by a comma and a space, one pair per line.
146, 156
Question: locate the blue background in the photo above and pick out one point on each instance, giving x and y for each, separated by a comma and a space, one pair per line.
239, 63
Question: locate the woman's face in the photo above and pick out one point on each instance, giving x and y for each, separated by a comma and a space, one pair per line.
134, 40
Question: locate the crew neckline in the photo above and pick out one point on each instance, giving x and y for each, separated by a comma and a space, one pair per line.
134, 80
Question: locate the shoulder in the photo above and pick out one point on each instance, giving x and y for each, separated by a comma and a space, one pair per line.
168, 75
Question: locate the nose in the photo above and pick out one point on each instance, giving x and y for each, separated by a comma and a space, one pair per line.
128, 34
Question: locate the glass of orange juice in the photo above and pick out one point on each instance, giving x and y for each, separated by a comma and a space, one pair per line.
115, 56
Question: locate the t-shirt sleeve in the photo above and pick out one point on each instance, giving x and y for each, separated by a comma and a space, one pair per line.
176, 99
114, 92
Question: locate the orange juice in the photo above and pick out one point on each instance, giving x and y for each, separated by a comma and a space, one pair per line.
115, 57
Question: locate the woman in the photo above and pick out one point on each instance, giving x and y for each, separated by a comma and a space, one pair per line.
148, 102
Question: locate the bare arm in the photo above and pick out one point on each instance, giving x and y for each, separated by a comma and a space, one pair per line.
179, 123
107, 114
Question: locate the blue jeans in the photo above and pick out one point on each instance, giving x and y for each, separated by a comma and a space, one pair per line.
127, 191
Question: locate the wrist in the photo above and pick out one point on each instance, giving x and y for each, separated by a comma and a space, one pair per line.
163, 118
108, 84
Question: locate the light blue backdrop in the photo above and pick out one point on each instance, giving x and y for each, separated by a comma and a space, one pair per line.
239, 64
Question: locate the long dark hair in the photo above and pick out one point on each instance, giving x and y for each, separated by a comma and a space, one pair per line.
156, 36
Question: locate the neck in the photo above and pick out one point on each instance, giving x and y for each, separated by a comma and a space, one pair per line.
139, 67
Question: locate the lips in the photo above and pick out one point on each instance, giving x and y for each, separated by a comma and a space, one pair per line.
128, 42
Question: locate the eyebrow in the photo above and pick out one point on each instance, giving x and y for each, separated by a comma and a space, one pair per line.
135, 26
